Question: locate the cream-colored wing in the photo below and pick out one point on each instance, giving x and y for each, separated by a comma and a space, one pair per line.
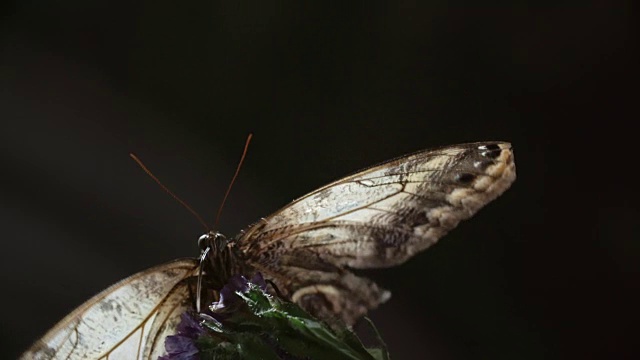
385, 214
128, 320
379, 217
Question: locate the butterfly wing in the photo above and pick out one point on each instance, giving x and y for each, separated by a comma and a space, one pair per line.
379, 217
128, 320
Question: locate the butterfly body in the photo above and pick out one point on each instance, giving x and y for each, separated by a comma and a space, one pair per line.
379, 217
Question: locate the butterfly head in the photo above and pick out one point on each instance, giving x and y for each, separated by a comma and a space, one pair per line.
212, 240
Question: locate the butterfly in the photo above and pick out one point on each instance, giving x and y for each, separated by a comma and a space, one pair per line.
379, 217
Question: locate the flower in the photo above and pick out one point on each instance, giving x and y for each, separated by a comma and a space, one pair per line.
182, 346
237, 284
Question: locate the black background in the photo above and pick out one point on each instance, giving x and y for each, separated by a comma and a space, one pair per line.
549, 270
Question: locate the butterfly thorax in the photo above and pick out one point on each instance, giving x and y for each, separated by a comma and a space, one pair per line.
222, 261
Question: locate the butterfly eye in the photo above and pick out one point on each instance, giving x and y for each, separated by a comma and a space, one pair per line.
219, 238
204, 241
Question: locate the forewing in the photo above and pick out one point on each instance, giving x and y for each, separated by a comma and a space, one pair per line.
379, 217
128, 320
383, 215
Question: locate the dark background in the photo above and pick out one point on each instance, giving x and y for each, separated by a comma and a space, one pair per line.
549, 270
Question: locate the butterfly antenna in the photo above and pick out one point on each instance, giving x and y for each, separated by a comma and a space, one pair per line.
184, 204
244, 154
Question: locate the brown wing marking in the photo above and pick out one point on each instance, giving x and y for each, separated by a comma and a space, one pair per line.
327, 292
126, 321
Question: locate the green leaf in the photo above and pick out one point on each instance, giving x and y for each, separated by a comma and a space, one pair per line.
264, 327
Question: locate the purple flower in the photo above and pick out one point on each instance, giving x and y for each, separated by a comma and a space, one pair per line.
182, 345
180, 348
237, 283
190, 327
